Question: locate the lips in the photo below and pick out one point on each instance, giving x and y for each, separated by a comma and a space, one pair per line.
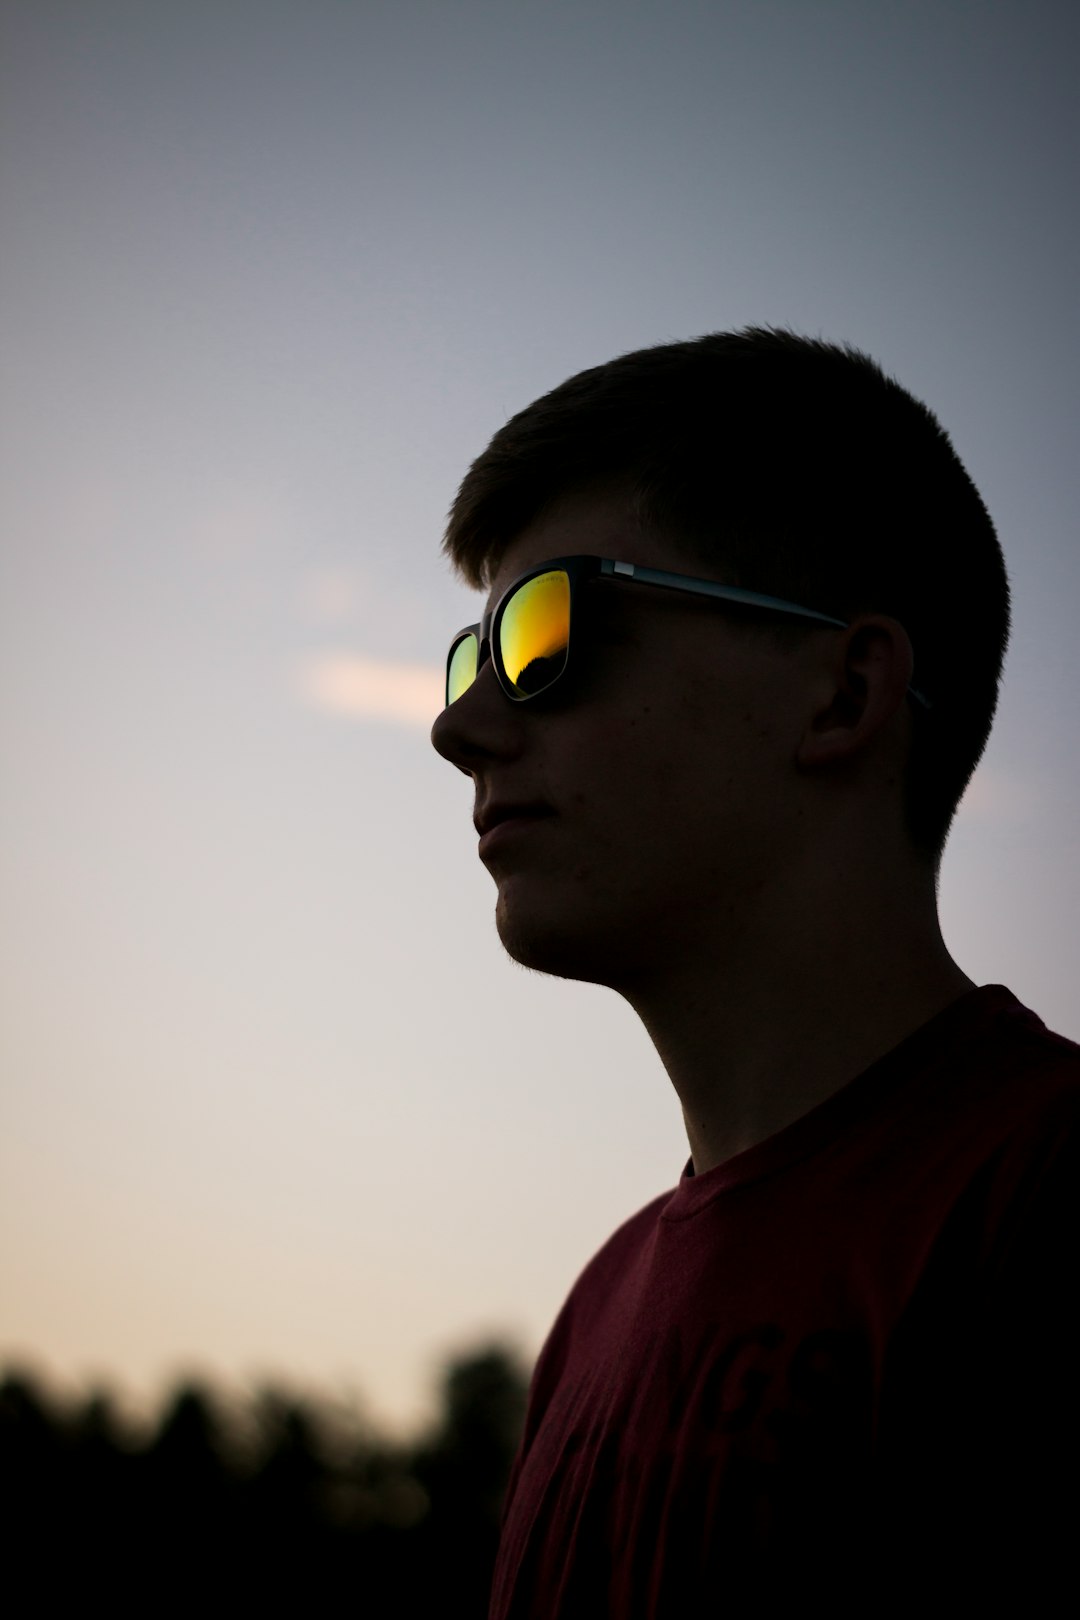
492, 814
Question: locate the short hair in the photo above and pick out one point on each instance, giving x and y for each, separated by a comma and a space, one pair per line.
802, 470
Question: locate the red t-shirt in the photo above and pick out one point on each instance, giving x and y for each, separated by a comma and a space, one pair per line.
838, 1369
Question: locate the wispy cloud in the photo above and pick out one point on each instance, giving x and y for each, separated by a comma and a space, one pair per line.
370, 689
994, 795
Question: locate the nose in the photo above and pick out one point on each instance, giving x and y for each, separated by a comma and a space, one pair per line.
481, 726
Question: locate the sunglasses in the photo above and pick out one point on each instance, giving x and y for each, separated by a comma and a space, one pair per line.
528, 633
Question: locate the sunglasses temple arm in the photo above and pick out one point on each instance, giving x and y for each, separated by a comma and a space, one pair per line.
730, 593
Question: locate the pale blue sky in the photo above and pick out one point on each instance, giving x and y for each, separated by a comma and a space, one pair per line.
273, 274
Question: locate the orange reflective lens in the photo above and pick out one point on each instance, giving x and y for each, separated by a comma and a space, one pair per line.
533, 636
534, 633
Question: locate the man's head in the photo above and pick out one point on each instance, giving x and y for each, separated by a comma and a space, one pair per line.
694, 741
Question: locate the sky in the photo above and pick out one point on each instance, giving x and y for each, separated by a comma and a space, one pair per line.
275, 1103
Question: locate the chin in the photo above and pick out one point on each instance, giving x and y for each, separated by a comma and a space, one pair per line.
549, 945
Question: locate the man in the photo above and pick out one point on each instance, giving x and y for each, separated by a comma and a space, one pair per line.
836, 1363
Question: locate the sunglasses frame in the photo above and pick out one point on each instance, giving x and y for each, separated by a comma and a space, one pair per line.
580, 569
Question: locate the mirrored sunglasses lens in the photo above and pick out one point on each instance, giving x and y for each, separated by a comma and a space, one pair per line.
461, 668
534, 633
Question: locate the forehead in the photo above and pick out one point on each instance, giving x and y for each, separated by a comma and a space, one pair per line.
588, 525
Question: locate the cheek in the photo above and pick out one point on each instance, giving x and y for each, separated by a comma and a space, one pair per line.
642, 772
691, 771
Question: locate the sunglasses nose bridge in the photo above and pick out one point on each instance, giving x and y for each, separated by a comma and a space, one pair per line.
483, 645
483, 654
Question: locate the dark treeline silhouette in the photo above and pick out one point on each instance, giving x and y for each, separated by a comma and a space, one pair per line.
266, 1501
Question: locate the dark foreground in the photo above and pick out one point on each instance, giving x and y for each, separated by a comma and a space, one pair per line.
275, 1504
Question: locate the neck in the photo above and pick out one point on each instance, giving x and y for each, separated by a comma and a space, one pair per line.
755, 1034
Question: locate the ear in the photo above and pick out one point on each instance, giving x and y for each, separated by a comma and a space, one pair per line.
869, 671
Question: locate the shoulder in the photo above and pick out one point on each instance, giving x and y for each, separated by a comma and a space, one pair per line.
614, 1263
1031, 1074
608, 1275
1004, 1084
1010, 1116
1019, 1030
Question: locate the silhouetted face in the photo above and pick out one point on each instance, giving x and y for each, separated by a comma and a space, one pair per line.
665, 759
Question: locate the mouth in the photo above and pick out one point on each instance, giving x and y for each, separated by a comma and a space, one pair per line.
501, 824
496, 815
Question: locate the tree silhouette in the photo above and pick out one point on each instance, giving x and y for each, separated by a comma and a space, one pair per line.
463, 1467
303, 1513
